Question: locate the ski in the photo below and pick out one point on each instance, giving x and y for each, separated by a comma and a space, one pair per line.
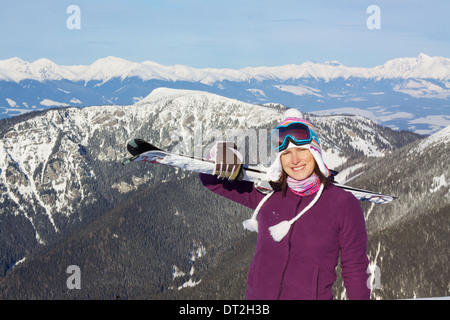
144, 151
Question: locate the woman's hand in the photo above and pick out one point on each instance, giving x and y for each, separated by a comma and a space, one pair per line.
228, 161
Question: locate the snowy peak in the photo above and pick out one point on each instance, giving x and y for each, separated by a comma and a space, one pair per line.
168, 95
41, 69
12, 64
14, 70
333, 63
46, 70
423, 66
108, 68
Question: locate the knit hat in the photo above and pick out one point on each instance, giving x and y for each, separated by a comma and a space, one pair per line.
290, 116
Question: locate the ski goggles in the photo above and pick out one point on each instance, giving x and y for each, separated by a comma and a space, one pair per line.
296, 132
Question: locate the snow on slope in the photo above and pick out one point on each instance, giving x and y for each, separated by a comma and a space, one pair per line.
442, 136
420, 88
42, 160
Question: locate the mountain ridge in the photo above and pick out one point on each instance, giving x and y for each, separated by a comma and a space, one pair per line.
104, 69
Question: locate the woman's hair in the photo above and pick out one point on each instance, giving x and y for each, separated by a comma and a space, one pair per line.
281, 184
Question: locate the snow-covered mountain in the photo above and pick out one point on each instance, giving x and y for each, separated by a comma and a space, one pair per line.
49, 162
61, 178
403, 93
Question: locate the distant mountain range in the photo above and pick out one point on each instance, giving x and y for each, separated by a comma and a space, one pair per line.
404, 93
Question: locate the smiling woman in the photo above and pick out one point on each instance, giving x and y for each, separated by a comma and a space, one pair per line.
304, 226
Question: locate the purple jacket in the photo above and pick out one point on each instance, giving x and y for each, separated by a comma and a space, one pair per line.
302, 265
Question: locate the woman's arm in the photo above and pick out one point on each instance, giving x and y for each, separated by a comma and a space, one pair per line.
241, 192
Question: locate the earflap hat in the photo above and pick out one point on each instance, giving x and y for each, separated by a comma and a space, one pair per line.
295, 132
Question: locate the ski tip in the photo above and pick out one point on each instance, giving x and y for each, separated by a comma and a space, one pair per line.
138, 146
378, 199
133, 147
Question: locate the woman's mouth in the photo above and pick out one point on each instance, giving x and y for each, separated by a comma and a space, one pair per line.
299, 168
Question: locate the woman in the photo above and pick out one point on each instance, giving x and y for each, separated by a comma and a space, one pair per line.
303, 226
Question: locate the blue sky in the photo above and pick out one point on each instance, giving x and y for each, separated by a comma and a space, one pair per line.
225, 33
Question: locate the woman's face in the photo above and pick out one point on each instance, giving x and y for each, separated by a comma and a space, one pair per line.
298, 163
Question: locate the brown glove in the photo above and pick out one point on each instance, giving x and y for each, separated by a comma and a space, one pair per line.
228, 161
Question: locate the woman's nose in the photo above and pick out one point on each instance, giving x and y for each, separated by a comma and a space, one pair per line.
295, 158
